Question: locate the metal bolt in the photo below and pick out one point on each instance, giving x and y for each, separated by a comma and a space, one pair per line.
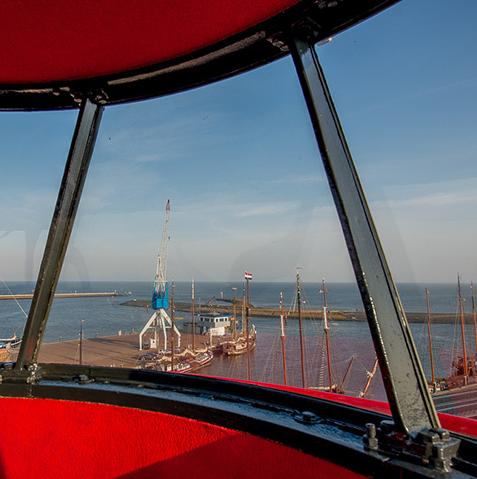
371, 430
370, 440
83, 379
387, 426
306, 417
443, 434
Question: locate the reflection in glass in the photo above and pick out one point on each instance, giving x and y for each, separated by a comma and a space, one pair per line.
33, 149
407, 106
249, 209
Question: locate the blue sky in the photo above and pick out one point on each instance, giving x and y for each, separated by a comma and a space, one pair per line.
239, 162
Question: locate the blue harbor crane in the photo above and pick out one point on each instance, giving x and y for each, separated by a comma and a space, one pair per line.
160, 320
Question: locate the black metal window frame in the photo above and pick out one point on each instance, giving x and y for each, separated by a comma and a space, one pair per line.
408, 394
74, 177
253, 47
416, 424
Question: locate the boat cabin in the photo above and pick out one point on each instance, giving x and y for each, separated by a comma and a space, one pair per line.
214, 324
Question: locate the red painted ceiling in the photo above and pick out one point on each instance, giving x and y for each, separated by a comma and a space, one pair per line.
48, 40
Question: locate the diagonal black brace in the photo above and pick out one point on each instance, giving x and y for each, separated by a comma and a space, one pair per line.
406, 387
74, 176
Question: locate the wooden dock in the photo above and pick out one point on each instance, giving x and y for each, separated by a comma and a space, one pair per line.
111, 351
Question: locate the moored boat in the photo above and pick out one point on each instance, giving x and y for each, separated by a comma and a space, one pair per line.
238, 346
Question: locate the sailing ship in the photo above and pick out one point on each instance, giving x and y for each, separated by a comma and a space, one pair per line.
463, 366
326, 334
11, 342
326, 346
244, 341
184, 361
238, 346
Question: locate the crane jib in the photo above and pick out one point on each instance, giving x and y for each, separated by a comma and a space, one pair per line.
160, 295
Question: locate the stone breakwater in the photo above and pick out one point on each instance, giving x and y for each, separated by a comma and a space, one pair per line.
268, 312
106, 294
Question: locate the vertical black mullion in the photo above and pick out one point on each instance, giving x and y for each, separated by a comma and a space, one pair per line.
403, 376
69, 195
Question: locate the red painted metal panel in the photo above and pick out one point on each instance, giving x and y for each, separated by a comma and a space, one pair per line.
54, 438
458, 424
461, 425
47, 40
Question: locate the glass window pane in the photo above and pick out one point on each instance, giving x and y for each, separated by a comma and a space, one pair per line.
407, 104
239, 163
33, 151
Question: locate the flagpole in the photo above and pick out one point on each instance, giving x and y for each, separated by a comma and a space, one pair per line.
248, 277
282, 337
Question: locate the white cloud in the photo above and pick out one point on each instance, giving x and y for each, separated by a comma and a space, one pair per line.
274, 208
297, 180
172, 137
432, 195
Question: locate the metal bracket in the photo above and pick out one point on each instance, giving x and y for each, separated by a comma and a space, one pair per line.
74, 177
404, 380
434, 447
278, 42
307, 29
29, 375
97, 95
83, 379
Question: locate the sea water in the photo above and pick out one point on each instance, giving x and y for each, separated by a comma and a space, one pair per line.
349, 339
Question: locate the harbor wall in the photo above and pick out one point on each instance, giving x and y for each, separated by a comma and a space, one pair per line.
268, 312
107, 294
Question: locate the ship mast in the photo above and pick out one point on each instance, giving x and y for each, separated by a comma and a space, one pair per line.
248, 277
370, 376
429, 336
474, 319
340, 388
172, 324
81, 342
192, 309
300, 326
283, 338
462, 330
234, 303
326, 330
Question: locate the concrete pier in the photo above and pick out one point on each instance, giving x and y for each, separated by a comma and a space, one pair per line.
255, 311
107, 294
